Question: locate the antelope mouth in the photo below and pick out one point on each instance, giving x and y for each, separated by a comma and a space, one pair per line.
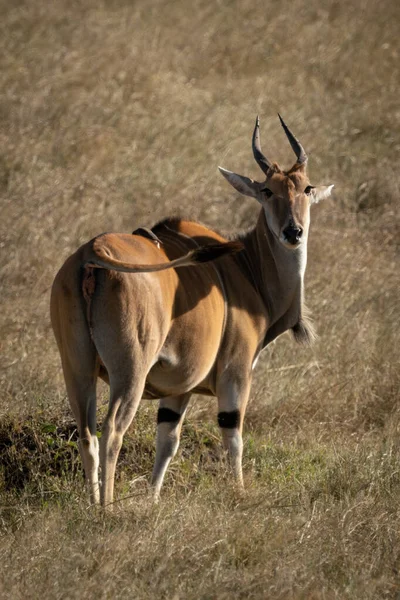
290, 244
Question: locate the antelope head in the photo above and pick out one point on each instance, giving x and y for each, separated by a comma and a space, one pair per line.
286, 196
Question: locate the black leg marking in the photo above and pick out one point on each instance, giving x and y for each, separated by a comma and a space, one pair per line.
229, 420
166, 415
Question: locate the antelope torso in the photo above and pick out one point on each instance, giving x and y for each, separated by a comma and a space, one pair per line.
208, 332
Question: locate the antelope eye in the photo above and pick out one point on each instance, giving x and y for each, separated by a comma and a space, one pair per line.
309, 189
267, 192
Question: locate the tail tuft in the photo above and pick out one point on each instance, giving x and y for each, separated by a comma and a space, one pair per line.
215, 251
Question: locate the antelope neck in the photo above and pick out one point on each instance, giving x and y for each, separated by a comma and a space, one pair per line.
276, 271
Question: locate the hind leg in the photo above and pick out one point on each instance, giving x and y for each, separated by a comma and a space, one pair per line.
125, 396
80, 367
127, 337
82, 397
169, 425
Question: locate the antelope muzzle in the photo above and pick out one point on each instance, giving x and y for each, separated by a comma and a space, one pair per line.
292, 234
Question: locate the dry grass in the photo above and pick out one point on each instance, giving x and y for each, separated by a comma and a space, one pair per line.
115, 114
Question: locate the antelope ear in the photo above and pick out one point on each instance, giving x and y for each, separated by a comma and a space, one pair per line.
242, 184
320, 193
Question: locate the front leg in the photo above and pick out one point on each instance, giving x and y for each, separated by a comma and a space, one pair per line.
233, 393
169, 425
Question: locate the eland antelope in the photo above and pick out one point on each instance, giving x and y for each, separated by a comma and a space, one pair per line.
122, 310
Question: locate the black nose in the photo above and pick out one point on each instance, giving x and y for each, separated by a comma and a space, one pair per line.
292, 234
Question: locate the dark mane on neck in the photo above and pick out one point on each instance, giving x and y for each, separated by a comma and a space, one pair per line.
171, 222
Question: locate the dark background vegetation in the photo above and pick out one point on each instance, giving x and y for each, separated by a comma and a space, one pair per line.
115, 114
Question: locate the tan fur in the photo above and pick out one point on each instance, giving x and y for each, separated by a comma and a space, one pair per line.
161, 332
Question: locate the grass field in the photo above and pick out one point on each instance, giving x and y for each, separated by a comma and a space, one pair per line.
114, 114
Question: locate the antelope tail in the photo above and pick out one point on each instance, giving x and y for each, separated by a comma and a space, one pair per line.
102, 260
